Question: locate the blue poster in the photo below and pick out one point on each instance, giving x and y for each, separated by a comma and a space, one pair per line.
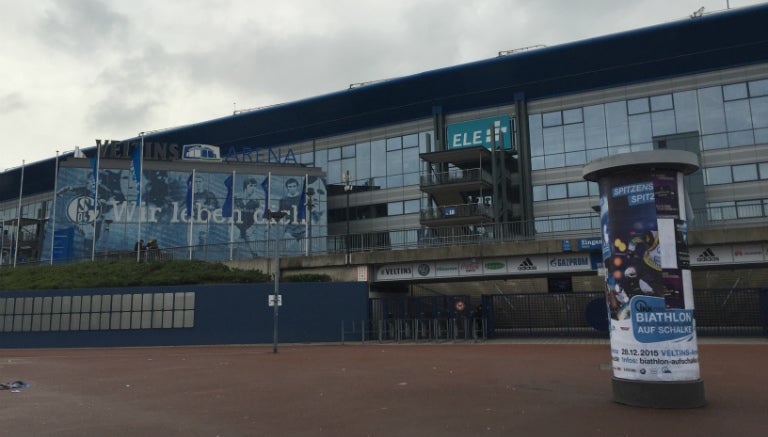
222, 209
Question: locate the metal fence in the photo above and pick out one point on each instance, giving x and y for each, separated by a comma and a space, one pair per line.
733, 312
736, 312
545, 314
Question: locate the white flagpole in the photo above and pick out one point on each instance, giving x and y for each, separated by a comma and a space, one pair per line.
232, 219
18, 217
2, 241
269, 218
53, 206
307, 215
138, 195
191, 213
95, 199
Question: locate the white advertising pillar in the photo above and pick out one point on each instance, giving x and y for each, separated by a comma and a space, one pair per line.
649, 291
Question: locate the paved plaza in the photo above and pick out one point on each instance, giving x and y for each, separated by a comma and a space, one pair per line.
521, 388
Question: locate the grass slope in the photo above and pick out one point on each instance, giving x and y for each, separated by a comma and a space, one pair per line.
124, 273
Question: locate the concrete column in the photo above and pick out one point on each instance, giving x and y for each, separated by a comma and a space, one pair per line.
649, 292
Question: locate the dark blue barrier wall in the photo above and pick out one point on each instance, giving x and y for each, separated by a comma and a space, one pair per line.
178, 315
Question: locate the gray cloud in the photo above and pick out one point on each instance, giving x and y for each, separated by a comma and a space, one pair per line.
11, 102
81, 27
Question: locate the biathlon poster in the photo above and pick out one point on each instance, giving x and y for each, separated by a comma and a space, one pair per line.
649, 292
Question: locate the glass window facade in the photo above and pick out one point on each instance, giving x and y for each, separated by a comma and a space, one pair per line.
726, 116
731, 115
384, 163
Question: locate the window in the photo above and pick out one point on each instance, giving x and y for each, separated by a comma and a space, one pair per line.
411, 206
537, 141
394, 208
550, 119
711, 110
763, 167
554, 161
663, 123
686, 111
410, 141
363, 161
661, 103
749, 208
637, 106
758, 88
572, 116
557, 191
306, 158
594, 189
746, 172
578, 189
640, 128
378, 158
735, 91
616, 123
425, 142
594, 127
718, 175
721, 211
553, 140
574, 137
334, 154
395, 143
575, 158
348, 151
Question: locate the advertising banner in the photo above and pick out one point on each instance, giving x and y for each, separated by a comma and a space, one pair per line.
394, 272
649, 291
177, 211
495, 266
486, 132
528, 265
424, 270
570, 262
447, 268
470, 267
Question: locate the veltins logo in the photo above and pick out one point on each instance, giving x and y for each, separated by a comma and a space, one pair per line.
707, 256
80, 210
423, 269
494, 266
526, 265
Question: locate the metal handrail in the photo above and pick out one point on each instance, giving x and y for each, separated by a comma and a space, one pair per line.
422, 237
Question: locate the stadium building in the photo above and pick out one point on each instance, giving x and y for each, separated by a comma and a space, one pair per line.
463, 180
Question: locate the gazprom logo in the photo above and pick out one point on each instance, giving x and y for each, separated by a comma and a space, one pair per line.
486, 132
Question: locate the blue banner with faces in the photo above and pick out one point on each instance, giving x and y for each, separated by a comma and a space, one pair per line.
219, 208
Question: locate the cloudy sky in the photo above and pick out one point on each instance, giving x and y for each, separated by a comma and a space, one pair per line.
76, 70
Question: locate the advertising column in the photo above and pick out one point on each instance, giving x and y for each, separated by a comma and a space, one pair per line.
649, 292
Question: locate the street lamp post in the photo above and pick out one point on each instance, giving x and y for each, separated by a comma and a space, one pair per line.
107, 222
276, 216
348, 191
310, 207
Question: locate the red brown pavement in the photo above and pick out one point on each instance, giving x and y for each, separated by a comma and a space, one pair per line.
467, 389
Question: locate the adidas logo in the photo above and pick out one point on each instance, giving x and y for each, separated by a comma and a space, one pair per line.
707, 256
526, 265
